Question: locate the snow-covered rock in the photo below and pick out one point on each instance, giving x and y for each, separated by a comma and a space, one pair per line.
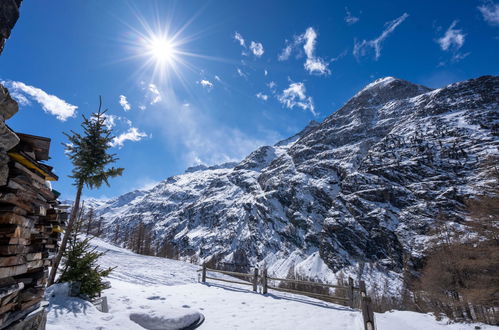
358, 192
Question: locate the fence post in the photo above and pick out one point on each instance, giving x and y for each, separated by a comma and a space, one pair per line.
264, 281
362, 288
203, 277
255, 280
350, 291
367, 313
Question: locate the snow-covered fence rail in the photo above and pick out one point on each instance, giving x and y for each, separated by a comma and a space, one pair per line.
363, 302
254, 277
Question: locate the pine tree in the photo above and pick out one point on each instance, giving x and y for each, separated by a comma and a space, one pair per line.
80, 265
89, 154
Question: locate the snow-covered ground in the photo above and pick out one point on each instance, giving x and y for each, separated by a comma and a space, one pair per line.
147, 289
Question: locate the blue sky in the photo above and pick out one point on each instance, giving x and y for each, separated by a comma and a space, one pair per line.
193, 82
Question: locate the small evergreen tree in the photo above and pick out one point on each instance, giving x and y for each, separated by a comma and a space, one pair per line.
89, 155
80, 265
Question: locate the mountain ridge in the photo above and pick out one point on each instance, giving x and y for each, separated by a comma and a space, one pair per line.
361, 188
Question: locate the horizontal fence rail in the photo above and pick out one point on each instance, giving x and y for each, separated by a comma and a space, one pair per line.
364, 302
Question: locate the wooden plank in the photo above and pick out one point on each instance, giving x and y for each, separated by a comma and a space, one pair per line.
14, 231
309, 294
308, 283
7, 250
9, 218
229, 273
35, 264
12, 260
12, 270
33, 256
14, 241
228, 281
12, 208
7, 308
10, 289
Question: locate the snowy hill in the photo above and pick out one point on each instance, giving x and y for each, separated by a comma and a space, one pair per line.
155, 289
355, 193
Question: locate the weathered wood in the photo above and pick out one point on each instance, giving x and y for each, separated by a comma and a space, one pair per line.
255, 280
264, 281
12, 260
362, 288
13, 249
12, 270
14, 241
309, 294
9, 218
228, 281
367, 313
350, 292
203, 276
6, 308
307, 282
8, 290
229, 273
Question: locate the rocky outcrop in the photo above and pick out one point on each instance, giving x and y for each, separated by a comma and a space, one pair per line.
9, 13
363, 187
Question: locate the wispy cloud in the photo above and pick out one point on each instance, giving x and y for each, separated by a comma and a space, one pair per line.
240, 39
124, 103
153, 94
132, 134
452, 41
206, 83
490, 13
364, 47
295, 96
313, 64
241, 73
349, 18
50, 103
262, 96
198, 137
256, 48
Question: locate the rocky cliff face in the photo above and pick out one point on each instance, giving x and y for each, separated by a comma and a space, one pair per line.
364, 186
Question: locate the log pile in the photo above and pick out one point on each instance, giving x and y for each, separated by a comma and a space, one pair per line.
31, 221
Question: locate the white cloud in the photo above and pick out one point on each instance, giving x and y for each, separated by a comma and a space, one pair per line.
50, 103
286, 53
154, 94
124, 103
262, 96
239, 37
313, 64
257, 48
241, 73
490, 13
110, 120
133, 134
265, 72
217, 78
206, 83
349, 18
295, 96
197, 137
142, 107
362, 48
453, 39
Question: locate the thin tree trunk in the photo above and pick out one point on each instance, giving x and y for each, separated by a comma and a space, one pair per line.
69, 229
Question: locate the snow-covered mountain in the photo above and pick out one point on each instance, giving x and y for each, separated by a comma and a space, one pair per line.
365, 186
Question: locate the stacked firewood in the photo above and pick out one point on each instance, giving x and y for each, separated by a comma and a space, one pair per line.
31, 221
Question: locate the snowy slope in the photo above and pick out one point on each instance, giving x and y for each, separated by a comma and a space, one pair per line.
355, 193
151, 286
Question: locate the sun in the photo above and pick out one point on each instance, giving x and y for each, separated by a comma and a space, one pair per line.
162, 50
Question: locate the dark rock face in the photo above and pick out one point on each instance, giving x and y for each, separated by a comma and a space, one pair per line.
9, 13
365, 185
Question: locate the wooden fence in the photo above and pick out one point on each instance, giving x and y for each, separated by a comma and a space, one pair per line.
363, 302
